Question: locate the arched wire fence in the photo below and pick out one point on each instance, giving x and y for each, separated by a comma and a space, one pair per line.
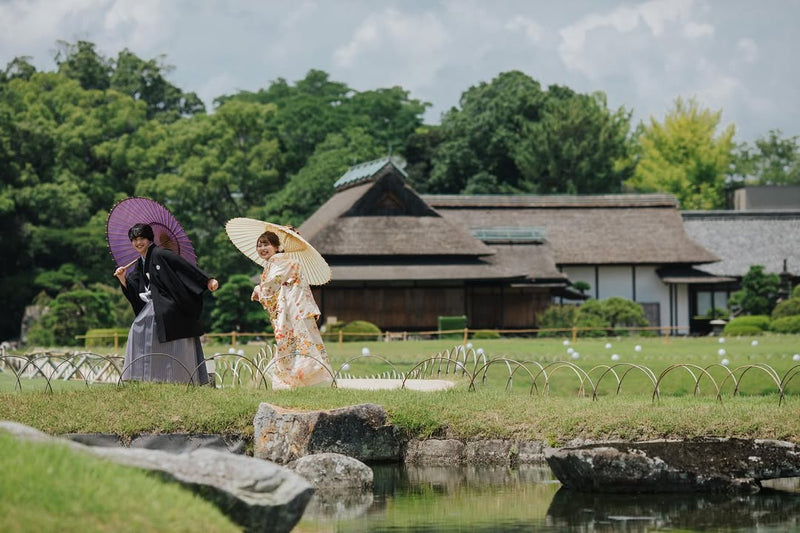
465, 365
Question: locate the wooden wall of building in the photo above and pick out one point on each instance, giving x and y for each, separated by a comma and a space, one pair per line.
419, 308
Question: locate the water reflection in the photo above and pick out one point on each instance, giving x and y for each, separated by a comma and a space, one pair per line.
528, 498
766, 511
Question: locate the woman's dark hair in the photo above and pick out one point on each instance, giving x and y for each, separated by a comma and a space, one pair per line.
271, 238
141, 230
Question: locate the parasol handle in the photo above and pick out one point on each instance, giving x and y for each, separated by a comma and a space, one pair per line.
128, 265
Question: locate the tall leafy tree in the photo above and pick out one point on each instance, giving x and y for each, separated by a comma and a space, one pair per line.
146, 81
759, 292
235, 311
773, 160
685, 156
579, 146
510, 136
313, 185
82, 62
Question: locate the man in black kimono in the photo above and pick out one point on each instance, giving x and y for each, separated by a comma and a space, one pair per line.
166, 293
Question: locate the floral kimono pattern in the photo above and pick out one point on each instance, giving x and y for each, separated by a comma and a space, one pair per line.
301, 358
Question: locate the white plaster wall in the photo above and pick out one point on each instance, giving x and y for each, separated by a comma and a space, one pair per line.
581, 273
617, 281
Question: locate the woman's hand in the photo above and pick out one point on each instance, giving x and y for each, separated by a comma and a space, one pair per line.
256, 296
213, 284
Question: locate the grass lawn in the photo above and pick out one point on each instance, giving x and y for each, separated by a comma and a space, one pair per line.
48, 487
496, 408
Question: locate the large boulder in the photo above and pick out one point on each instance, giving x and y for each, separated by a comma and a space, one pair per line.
359, 431
699, 465
259, 495
343, 485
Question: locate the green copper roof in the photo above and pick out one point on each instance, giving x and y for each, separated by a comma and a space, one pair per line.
364, 171
509, 234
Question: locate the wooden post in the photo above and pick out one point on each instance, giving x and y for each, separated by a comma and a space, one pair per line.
116, 341
574, 334
233, 339
466, 336
341, 338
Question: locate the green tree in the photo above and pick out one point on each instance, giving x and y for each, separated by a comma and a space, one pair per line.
685, 156
73, 312
774, 160
80, 61
758, 294
313, 185
510, 136
146, 81
234, 310
621, 312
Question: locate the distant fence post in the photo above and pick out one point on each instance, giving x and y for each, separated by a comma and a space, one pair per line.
466, 336
574, 333
341, 338
116, 341
233, 339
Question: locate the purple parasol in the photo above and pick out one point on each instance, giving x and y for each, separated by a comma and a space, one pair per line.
167, 230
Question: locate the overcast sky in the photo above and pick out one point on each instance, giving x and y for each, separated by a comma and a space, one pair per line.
738, 56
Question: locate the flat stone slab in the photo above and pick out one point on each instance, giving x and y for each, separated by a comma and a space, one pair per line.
704, 464
426, 385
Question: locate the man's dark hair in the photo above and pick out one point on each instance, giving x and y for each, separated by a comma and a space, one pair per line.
141, 230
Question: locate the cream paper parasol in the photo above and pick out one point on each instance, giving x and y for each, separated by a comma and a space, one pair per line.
244, 233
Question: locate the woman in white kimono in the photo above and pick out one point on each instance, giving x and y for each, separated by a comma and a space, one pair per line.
284, 293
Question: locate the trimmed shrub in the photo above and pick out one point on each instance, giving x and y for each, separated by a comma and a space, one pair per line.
447, 323
747, 325
796, 292
787, 324
590, 320
743, 330
360, 330
788, 307
105, 337
591, 314
557, 317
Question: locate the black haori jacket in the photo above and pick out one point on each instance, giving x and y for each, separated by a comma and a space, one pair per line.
176, 287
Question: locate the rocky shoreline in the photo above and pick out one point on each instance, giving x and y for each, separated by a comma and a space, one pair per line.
299, 453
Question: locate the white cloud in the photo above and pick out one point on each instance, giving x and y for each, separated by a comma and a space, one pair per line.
747, 50
406, 49
532, 30
694, 30
24, 22
651, 19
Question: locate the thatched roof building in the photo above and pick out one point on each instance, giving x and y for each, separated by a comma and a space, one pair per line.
621, 229
401, 259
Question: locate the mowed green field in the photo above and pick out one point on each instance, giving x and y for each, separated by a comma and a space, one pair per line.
558, 367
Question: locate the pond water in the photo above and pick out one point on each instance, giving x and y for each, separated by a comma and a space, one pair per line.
529, 498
